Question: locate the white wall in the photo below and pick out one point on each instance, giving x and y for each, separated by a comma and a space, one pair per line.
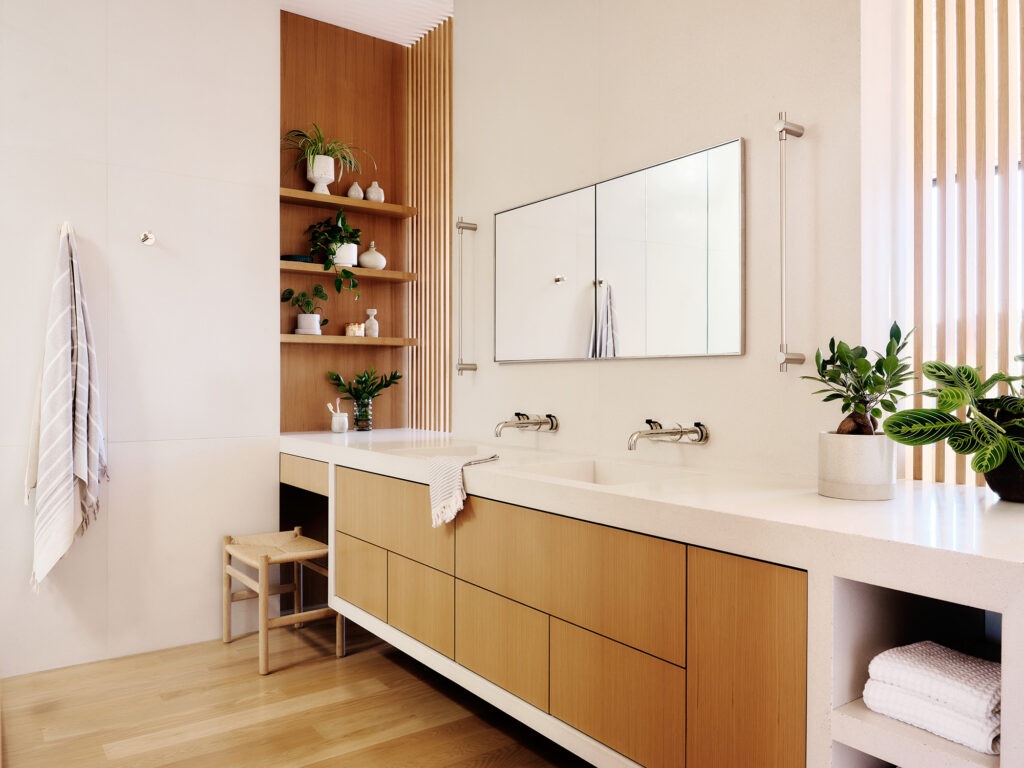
122, 116
550, 96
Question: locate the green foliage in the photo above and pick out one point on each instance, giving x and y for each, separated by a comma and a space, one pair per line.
864, 387
325, 237
366, 386
994, 428
311, 144
308, 303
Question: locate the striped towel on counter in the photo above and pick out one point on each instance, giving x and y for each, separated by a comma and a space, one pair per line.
67, 454
447, 488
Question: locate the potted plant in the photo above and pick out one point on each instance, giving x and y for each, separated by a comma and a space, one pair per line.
361, 391
334, 241
855, 461
309, 321
993, 432
320, 153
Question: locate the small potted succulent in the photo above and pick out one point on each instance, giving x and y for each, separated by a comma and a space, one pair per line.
309, 321
334, 241
993, 432
320, 153
361, 391
856, 461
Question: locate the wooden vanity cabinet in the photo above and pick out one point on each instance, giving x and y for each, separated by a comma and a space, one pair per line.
421, 603
747, 673
392, 514
361, 574
624, 585
308, 474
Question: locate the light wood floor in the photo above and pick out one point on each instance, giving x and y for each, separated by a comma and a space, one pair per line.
205, 705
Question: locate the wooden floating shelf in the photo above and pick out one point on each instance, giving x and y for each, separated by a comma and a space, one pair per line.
366, 341
348, 204
857, 726
305, 268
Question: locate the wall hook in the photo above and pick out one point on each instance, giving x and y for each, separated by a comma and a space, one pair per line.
147, 238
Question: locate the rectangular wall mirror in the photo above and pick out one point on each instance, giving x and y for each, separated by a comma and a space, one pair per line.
649, 264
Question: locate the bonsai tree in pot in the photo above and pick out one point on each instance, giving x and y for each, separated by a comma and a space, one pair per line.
855, 461
320, 153
334, 241
309, 321
992, 433
362, 390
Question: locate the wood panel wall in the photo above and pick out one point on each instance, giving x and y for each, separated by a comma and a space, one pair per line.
355, 88
430, 116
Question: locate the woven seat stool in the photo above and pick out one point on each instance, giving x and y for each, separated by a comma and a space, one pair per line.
260, 551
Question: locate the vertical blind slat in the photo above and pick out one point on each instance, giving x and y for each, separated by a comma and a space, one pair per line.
919, 193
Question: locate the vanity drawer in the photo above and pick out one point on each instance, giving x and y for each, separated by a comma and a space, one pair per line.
361, 574
303, 473
393, 514
421, 603
504, 641
626, 586
628, 700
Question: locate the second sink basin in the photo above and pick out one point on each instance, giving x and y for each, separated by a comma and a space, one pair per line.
600, 471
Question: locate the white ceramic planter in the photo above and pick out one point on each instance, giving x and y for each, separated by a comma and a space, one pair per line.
858, 467
346, 255
309, 324
320, 173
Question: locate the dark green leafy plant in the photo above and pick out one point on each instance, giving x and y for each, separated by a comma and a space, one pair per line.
325, 238
994, 426
865, 388
308, 303
313, 143
366, 386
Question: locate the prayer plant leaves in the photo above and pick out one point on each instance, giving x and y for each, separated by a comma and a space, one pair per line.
988, 457
963, 441
921, 426
952, 399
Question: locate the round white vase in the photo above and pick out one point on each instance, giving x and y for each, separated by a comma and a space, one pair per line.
375, 193
355, 191
320, 173
346, 255
308, 324
371, 258
856, 467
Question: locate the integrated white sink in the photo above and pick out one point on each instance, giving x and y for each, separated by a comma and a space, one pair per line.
441, 450
600, 471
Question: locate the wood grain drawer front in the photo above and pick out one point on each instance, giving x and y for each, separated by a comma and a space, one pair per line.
303, 473
747, 676
633, 702
626, 586
504, 641
394, 514
361, 575
421, 603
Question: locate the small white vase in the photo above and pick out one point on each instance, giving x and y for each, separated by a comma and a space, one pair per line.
346, 255
857, 467
375, 193
320, 173
355, 191
309, 324
371, 326
371, 258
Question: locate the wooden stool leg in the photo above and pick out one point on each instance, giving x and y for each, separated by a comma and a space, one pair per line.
297, 597
264, 608
226, 597
339, 636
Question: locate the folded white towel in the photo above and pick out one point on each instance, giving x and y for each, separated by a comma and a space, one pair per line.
892, 701
447, 489
963, 683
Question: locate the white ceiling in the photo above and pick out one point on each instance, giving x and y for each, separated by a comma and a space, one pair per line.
400, 21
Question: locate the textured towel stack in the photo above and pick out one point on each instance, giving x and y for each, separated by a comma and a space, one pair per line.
953, 695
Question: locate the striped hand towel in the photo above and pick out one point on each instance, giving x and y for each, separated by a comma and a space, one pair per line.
67, 453
447, 488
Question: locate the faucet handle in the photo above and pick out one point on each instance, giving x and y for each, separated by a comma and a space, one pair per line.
521, 416
653, 424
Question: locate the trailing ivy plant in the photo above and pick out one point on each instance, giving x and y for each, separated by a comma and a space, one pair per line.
308, 303
325, 238
865, 388
994, 426
366, 386
309, 144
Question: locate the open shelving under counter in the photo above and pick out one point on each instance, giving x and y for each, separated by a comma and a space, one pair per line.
306, 268
366, 341
348, 204
873, 734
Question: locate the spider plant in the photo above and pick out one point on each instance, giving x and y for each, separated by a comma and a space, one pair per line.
312, 143
309, 303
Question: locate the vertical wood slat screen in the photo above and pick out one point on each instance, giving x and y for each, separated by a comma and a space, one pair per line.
967, 298
430, 163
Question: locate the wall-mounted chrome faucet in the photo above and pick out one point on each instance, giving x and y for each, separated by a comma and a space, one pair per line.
698, 433
546, 423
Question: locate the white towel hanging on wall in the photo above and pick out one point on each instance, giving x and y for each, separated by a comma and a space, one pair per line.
67, 453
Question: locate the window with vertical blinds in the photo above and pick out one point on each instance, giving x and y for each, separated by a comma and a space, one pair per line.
967, 206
